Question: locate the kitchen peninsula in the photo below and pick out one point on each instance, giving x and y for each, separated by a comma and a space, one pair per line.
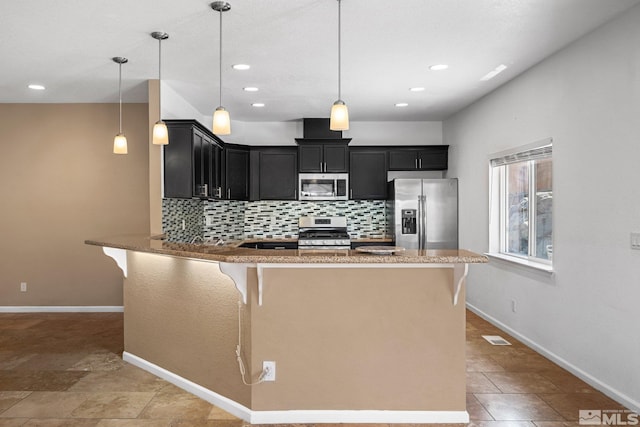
355, 337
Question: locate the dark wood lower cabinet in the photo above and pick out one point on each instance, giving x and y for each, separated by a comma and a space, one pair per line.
359, 244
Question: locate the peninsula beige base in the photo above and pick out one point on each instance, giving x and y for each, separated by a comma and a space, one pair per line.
379, 341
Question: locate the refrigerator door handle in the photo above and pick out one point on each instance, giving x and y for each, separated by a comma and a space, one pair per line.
419, 222
423, 218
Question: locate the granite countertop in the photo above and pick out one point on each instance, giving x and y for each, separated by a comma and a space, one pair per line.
231, 253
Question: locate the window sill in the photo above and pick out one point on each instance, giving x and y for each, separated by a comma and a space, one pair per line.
530, 265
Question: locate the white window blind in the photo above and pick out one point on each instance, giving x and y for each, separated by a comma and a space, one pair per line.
521, 156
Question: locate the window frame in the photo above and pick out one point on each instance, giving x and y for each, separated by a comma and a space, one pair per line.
498, 203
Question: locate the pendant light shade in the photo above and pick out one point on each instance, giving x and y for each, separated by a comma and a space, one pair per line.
221, 119
120, 141
339, 116
339, 113
120, 144
160, 132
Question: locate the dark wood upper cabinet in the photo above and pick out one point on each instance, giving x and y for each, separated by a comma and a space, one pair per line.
426, 158
274, 173
236, 167
321, 157
368, 173
199, 164
191, 161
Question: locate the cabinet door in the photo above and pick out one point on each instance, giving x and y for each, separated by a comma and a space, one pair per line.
215, 171
368, 174
336, 158
433, 158
178, 167
201, 164
278, 175
310, 158
236, 174
403, 159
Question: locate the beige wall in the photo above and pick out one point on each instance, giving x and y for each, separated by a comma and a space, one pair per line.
60, 184
181, 315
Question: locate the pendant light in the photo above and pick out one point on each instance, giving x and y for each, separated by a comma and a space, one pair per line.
339, 113
160, 132
221, 119
120, 141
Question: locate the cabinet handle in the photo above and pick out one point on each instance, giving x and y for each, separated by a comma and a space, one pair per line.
325, 166
420, 163
416, 163
219, 192
205, 189
351, 193
229, 193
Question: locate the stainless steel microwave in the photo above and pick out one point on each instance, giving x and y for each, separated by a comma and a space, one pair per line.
323, 186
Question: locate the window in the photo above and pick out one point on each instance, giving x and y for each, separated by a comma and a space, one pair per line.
521, 204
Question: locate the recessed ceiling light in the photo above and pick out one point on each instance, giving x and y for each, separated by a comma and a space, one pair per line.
491, 74
250, 89
257, 104
416, 89
241, 67
402, 104
438, 67
36, 87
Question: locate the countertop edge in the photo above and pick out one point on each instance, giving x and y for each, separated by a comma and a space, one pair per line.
234, 254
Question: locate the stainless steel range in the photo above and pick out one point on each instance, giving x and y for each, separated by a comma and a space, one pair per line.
323, 232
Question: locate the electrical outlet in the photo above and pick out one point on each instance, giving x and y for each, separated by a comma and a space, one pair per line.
635, 240
269, 369
23, 286
514, 306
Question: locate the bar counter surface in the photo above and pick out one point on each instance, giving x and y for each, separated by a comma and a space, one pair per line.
356, 337
231, 252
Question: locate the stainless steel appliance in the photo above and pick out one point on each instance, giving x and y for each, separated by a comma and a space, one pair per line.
323, 186
425, 213
323, 232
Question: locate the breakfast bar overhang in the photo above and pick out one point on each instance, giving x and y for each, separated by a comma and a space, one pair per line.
355, 337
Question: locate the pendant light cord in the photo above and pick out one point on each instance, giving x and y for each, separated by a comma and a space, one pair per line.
339, 51
160, 79
120, 95
220, 62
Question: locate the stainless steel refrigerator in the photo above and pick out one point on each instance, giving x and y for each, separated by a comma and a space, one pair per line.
424, 213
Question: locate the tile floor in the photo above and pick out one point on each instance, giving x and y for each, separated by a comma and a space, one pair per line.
66, 370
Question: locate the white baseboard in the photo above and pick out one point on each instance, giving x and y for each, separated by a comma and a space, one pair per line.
298, 416
616, 395
62, 309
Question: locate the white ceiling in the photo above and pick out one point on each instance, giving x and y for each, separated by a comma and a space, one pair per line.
291, 45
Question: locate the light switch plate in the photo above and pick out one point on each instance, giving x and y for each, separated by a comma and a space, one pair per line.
635, 241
